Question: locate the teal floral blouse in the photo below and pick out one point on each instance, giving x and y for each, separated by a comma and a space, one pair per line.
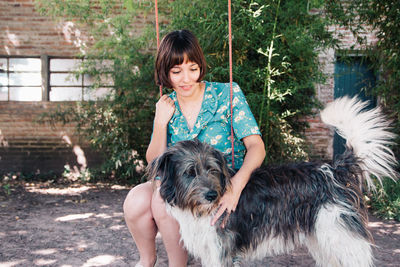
213, 124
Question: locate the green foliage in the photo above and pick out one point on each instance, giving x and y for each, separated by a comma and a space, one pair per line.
84, 175
386, 201
275, 49
6, 188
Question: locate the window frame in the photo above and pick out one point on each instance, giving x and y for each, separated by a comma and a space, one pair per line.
42, 77
46, 76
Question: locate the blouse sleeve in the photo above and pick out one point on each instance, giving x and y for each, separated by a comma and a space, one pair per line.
244, 123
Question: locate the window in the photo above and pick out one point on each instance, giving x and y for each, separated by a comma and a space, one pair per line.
65, 85
20, 79
45, 78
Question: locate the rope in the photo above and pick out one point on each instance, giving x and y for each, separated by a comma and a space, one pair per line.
231, 79
158, 37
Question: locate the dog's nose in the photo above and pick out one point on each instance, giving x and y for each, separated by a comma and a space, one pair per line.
211, 195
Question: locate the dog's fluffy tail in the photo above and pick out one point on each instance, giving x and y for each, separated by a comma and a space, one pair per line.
367, 133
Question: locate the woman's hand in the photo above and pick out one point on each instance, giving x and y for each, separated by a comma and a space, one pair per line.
227, 204
254, 157
165, 108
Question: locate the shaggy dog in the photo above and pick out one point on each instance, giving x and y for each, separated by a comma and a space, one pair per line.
315, 204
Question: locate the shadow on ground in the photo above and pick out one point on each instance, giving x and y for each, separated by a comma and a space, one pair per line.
83, 225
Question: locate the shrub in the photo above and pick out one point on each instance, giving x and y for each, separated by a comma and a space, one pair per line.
386, 200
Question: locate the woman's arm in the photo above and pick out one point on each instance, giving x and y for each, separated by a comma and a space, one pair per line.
165, 108
254, 157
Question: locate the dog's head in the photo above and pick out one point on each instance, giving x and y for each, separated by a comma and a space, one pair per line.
193, 175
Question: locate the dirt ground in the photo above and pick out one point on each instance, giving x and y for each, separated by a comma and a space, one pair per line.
83, 225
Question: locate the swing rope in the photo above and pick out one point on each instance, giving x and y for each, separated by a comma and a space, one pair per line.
158, 37
230, 69
231, 80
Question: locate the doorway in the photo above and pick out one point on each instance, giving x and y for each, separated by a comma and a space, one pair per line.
353, 76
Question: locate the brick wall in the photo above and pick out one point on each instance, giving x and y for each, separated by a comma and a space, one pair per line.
23, 31
24, 144
28, 146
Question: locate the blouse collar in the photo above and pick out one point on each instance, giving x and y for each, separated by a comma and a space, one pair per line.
207, 111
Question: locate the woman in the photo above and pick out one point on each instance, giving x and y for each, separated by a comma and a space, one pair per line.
195, 109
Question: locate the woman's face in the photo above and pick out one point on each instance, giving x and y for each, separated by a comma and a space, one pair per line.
184, 78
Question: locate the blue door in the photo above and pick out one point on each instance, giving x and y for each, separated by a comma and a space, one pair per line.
353, 76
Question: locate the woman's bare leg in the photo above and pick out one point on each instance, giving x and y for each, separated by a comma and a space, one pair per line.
169, 229
140, 222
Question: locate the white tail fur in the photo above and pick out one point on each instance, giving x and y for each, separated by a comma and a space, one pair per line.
367, 133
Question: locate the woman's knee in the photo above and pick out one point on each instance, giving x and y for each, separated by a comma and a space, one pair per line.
159, 209
138, 202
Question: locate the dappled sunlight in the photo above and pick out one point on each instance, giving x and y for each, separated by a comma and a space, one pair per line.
118, 227
80, 156
82, 216
43, 262
73, 35
118, 187
158, 236
73, 190
385, 227
11, 263
118, 214
3, 141
19, 232
75, 172
103, 216
66, 138
82, 245
13, 38
47, 251
57, 191
101, 260
73, 217
140, 165
7, 50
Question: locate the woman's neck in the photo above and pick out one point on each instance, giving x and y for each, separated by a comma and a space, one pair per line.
190, 106
196, 97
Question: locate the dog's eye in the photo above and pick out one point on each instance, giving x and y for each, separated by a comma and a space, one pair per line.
213, 172
191, 172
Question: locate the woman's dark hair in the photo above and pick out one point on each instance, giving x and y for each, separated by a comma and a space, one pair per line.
173, 49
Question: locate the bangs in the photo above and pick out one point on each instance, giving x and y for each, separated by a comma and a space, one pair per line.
182, 52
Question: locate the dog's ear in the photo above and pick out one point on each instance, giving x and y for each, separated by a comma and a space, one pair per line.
164, 168
225, 175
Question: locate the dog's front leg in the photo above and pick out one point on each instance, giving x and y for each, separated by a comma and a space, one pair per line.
213, 256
